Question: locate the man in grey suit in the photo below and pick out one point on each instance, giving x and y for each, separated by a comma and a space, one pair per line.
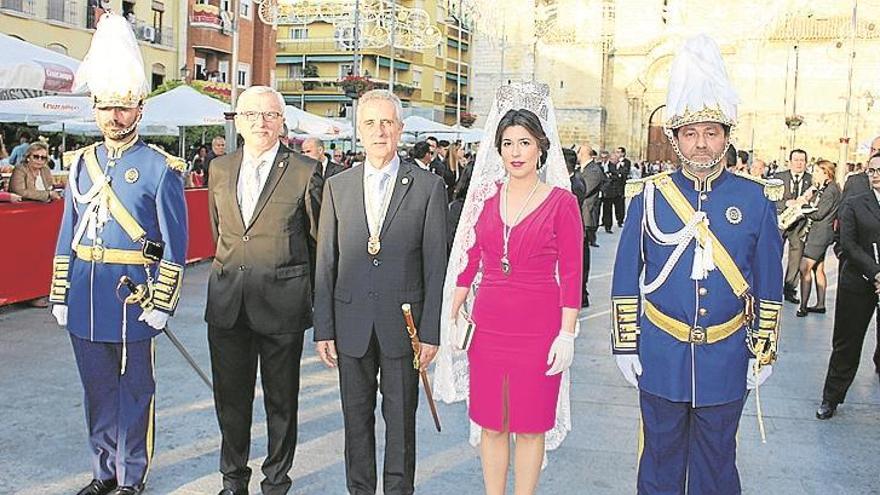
796, 181
381, 243
259, 294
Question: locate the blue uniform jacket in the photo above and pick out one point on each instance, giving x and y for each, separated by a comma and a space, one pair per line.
149, 184
743, 219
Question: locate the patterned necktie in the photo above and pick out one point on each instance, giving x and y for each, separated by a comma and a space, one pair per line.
380, 182
797, 185
251, 190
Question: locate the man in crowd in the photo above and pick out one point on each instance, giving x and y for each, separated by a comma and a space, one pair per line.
612, 193
420, 155
313, 148
218, 148
796, 182
594, 177
365, 271
579, 189
132, 227
682, 331
259, 297
758, 168
16, 156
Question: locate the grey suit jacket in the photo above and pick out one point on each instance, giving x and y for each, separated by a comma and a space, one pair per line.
356, 293
262, 267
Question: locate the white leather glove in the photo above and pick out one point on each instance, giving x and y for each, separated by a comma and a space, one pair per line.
630, 366
561, 353
154, 318
763, 375
59, 311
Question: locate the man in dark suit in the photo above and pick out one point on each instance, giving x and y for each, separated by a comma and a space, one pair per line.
796, 181
594, 177
218, 148
259, 295
313, 148
857, 289
382, 243
613, 188
579, 189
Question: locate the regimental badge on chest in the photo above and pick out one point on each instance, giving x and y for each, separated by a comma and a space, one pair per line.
131, 175
734, 215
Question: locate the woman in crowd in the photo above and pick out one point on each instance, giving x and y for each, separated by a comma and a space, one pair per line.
455, 163
820, 235
33, 180
521, 229
458, 197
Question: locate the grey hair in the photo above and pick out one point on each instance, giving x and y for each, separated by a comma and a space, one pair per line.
315, 140
384, 95
260, 90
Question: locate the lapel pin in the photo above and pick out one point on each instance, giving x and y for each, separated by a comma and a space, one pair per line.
404, 181
281, 165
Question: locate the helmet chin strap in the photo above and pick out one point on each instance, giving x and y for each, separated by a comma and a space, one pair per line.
692, 165
123, 133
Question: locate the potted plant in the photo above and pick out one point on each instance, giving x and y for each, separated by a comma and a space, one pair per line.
794, 121
355, 86
310, 71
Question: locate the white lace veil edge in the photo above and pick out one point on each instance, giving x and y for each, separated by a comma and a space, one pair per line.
451, 382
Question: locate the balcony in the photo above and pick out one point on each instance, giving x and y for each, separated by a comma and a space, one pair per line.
452, 32
452, 66
149, 34
210, 17
65, 12
329, 46
307, 84
438, 97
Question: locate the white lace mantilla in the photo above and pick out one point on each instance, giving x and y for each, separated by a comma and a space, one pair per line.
451, 371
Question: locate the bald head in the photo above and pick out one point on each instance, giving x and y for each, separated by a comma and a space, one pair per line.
758, 168
875, 146
313, 148
585, 154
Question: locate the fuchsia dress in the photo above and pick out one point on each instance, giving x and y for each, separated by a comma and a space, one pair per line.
518, 315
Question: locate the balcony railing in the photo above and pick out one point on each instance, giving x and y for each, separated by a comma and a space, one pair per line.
145, 32
20, 6
452, 66
307, 84
325, 46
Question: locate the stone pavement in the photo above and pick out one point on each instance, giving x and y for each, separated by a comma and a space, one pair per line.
43, 444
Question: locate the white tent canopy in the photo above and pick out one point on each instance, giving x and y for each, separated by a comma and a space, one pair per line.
35, 111
90, 128
28, 70
183, 107
302, 124
419, 125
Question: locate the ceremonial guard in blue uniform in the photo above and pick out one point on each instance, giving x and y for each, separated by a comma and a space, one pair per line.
697, 289
124, 216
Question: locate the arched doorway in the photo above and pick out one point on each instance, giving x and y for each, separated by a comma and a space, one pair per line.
659, 148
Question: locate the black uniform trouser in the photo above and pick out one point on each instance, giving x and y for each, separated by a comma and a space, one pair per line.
619, 206
851, 318
235, 353
586, 263
399, 385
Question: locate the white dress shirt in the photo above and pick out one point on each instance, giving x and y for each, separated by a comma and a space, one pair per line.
252, 178
372, 196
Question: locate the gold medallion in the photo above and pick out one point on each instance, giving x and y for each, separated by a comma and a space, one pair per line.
374, 245
131, 175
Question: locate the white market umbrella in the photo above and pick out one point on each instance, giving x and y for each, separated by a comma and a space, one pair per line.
305, 124
419, 125
183, 107
28, 70
44, 109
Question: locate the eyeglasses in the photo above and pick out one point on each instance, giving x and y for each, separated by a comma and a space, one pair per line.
872, 170
268, 116
40, 158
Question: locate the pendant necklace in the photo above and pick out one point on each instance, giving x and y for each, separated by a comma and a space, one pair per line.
375, 218
505, 260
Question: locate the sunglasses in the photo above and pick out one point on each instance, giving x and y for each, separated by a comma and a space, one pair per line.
39, 158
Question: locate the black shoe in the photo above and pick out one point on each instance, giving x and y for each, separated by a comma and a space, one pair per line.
128, 490
620, 225
585, 301
826, 410
593, 244
801, 312
608, 231
792, 298
227, 491
815, 309
98, 487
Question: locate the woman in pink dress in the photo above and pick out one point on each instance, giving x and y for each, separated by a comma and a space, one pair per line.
527, 247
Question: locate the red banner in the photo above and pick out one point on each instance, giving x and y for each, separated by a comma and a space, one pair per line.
30, 230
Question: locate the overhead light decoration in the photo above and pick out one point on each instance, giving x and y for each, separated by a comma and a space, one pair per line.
412, 29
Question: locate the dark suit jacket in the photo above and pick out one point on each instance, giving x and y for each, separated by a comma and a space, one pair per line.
263, 267
856, 184
356, 293
859, 230
822, 226
788, 191
316, 190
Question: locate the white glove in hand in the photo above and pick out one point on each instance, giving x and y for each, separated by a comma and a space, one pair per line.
763, 375
59, 311
561, 353
154, 318
630, 366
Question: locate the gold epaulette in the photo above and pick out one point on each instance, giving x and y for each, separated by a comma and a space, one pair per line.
71, 157
173, 162
773, 188
635, 186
